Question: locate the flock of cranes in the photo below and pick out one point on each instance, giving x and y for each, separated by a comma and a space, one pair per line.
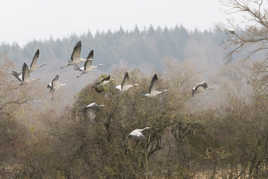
24, 77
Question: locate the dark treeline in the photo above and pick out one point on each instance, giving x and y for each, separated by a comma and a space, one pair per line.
136, 47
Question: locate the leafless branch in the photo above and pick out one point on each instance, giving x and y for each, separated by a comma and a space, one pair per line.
252, 35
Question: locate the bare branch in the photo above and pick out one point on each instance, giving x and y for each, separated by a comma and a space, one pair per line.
229, 55
254, 34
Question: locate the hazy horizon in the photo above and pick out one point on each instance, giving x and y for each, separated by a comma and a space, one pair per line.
30, 20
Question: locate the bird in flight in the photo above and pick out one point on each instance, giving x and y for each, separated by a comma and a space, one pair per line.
123, 86
91, 109
88, 65
76, 55
153, 92
137, 133
201, 84
26, 70
94, 105
54, 84
24, 76
34, 65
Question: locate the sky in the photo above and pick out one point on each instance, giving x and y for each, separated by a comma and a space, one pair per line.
25, 20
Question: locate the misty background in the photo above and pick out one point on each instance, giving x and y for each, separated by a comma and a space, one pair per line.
147, 50
131, 35
28, 20
218, 131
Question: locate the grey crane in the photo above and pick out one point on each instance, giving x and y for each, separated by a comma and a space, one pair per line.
153, 92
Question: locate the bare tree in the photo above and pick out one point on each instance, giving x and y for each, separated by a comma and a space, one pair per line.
252, 34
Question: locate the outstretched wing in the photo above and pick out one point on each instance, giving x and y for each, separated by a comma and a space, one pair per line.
90, 55
201, 84
152, 82
34, 61
76, 51
126, 77
16, 75
87, 64
25, 72
54, 81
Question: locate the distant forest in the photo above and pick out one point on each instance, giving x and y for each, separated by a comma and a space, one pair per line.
137, 47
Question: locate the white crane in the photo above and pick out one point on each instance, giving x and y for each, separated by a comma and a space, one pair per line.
91, 109
137, 133
123, 86
94, 105
152, 92
195, 88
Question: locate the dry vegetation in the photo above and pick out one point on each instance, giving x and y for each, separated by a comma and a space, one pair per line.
222, 132
227, 141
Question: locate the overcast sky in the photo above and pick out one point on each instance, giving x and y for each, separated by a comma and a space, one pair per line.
26, 20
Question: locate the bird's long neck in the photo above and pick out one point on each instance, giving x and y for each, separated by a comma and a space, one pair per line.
144, 128
123, 81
